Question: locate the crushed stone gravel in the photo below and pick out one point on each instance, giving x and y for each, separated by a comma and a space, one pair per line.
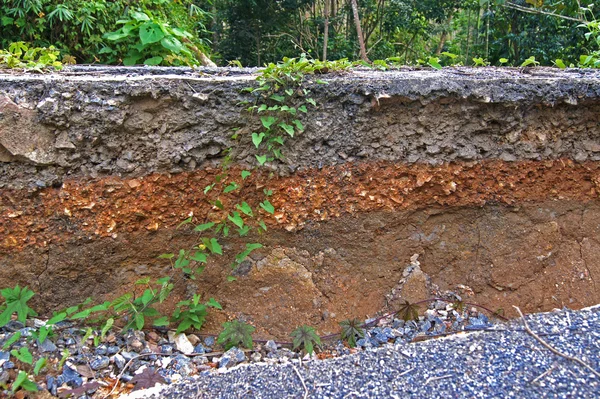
499, 363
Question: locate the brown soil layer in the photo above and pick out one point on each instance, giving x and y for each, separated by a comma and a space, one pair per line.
521, 233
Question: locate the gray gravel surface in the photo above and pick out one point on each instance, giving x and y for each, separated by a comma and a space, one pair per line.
490, 364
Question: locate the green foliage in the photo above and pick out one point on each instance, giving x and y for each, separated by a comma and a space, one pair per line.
192, 313
236, 333
16, 302
20, 55
150, 40
23, 355
408, 311
306, 338
23, 381
352, 329
78, 27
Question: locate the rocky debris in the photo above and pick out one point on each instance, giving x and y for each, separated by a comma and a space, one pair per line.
174, 358
505, 362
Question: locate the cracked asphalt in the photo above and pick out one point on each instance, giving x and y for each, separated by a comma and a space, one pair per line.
507, 362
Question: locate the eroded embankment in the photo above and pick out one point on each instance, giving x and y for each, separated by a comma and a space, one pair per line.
491, 177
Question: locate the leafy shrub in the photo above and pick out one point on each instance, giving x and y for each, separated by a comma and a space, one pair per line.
236, 333
20, 55
305, 337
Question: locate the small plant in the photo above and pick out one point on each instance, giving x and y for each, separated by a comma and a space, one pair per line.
23, 381
16, 302
408, 311
151, 41
236, 333
352, 329
306, 338
530, 61
20, 55
480, 62
192, 313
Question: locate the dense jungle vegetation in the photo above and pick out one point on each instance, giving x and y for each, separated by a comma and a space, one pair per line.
256, 32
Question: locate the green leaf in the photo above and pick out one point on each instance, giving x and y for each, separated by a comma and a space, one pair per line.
351, 330
242, 231
289, 92
236, 333
231, 187
13, 338
213, 245
298, 124
277, 98
231, 278
261, 159
43, 333
199, 257
208, 188
245, 174
263, 107
262, 225
16, 302
267, 206
186, 221
140, 16
267, 121
57, 318
139, 321
289, 129
22, 381
257, 138
143, 281
302, 108
245, 208
153, 61
236, 219
311, 101
559, 63
147, 297
203, 227
41, 362
166, 256
161, 322
305, 337
23, 355
107, 326
150, 32
172, 43
212, 302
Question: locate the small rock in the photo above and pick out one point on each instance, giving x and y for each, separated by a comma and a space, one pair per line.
128, 355
199, 349
200, 360
51, 385
4, 356
101, 350
100, 363
46, 346
4, 376
166, 349
8, 365
271, 346
183, 365
256, 357
232, 357
136, 345
71, 377
13, 326
152, 336
209, 341
183, 344
70, 342
27, 331
119, 361
193, 338
111, 350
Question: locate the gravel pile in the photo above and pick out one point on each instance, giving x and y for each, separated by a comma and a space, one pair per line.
503, 362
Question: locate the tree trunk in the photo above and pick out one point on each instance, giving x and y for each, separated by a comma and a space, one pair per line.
443, 38
361, 41
326, 30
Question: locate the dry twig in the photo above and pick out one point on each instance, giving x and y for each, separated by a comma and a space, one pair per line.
551, 348
301, 380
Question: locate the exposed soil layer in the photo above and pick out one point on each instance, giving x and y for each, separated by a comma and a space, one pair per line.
520, 233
